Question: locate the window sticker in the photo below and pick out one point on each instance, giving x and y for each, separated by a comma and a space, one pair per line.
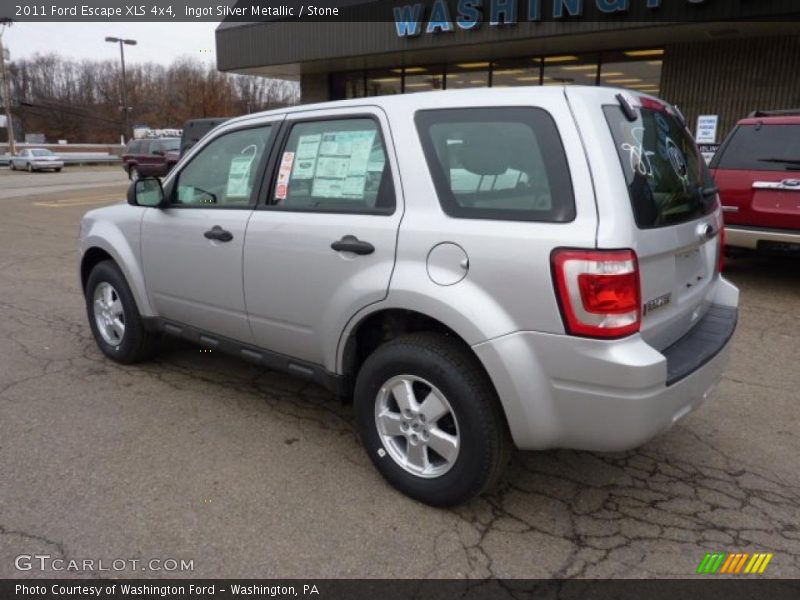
328, 188
282, 187
306, 156
304, 168
343, 160
308, 146
354, 186
239, 177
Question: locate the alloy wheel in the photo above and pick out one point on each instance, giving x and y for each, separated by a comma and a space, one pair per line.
109, 315
417, 426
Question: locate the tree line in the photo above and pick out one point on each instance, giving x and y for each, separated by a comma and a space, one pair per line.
81, 101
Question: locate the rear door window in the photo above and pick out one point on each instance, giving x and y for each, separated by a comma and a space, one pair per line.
761, 148
665, 172
335, 165
497, 163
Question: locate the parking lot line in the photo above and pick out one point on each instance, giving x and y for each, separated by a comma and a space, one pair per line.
78, 201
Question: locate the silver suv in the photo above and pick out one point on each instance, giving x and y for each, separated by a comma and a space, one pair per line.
475, 269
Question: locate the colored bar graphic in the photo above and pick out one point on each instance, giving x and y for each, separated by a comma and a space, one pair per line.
743, 560
736, 563
711, 563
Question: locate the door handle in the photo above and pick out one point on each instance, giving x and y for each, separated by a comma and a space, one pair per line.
219, 234
351, 243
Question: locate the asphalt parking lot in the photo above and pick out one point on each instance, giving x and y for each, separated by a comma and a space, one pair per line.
249, 473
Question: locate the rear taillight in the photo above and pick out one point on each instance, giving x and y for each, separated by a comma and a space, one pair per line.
598, 291
721, 256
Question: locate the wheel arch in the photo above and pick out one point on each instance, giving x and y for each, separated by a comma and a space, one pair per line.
98, 249
379, 326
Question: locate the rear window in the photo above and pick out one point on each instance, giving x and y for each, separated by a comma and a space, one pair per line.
171, 144
761, 148
490, 163
665, 173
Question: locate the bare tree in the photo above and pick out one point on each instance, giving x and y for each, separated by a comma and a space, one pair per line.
80, 101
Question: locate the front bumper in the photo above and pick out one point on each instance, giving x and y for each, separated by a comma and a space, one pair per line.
561, 391
749, 237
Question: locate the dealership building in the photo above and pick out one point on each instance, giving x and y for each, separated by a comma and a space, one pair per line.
710, 57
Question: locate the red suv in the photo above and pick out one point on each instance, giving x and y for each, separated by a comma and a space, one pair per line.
757, 170
151, 157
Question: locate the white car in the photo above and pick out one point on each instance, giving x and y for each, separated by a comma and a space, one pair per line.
36, 159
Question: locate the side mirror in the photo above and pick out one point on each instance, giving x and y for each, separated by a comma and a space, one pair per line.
146, 192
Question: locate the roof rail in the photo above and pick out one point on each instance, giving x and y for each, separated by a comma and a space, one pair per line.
794, 112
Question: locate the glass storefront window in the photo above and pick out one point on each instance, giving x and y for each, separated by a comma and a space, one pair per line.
354, 84
467, 75
638, 70
569, 69
384, 83
526, 71
423, 79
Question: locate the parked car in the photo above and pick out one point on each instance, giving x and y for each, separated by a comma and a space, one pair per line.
757, 170
150, 157
474, 268
36, 159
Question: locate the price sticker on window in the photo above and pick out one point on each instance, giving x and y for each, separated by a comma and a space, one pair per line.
284, 172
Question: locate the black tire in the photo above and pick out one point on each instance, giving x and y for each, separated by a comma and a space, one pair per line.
137, 343
11, 165
30, 168
58, 170
485, 444
133, 174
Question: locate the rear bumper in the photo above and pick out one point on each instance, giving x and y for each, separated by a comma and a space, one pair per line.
560, 391
749, 237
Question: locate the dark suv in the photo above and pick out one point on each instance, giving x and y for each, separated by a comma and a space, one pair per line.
151, 157
757, 170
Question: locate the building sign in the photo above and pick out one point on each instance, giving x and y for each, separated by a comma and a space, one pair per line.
707, 129
413, 19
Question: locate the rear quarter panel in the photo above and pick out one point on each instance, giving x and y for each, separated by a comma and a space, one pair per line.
508, 286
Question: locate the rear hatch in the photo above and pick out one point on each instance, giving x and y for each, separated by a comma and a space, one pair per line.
664, 207
758, 173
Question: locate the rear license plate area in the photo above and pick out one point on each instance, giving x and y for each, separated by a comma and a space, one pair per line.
690, 269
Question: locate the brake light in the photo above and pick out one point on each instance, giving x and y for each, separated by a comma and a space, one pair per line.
598, 291
721, 256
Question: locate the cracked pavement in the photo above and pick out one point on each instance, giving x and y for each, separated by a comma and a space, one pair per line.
249, 473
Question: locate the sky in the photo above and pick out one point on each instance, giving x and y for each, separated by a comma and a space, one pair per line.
157, 42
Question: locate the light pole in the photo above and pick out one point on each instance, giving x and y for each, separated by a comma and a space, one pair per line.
12, 146
125, 107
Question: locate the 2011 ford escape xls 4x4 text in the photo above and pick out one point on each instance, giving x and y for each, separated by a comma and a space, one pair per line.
536, 266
